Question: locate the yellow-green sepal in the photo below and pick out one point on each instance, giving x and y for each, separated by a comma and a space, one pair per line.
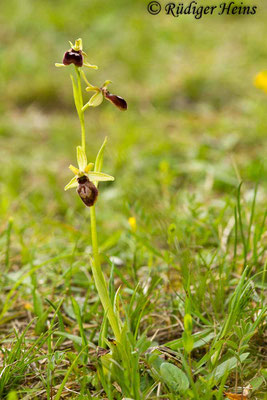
81, 158
74, 169
89, 167
86, 64
72, 184
100, 177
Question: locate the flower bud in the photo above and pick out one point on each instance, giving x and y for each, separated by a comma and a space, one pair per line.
73, 57
87, 191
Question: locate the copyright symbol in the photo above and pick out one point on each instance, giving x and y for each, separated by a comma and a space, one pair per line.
154, 7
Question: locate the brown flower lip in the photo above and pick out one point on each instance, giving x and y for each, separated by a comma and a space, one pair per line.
118, 101
73, 57
87, 191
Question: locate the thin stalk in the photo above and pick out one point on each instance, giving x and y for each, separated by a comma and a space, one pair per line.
81, 113
96, 265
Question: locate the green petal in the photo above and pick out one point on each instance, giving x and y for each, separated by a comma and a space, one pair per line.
99, 177
81, 158
96, 99
72, 184
78, 44
106, 83
86, 64
89, 167
74, 169
91, 88
58, 65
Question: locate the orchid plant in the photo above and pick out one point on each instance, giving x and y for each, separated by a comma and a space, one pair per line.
88, 175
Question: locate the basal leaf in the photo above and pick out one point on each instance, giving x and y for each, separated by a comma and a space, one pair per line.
174, 377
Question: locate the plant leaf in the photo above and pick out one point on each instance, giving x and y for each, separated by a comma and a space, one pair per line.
96, 99
78, 316
81, 158
188, 323
72, 184
100, 177
99, 157
76, 96
174, 377
76, 339
227, 366
188, 341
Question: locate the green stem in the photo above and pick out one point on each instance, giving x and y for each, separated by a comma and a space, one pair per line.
81, 113
96, 265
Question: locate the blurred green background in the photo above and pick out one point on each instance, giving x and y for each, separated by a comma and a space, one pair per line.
195, 124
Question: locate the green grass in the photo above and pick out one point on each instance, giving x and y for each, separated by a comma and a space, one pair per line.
195, 129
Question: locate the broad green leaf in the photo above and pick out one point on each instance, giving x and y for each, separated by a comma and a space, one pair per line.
174, 377
96, 99
227, 366
81, 158
100, 177
72, 184
256, 382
